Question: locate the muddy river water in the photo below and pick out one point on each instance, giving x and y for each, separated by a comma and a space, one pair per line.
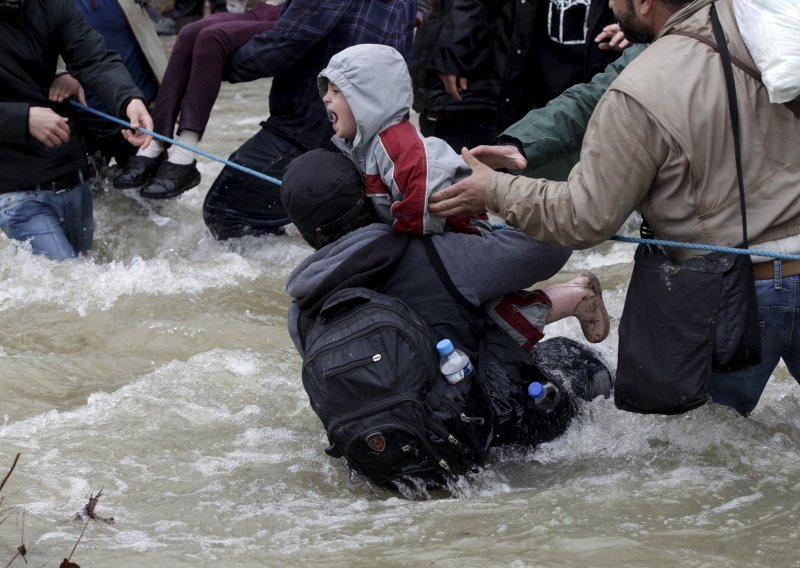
159, 370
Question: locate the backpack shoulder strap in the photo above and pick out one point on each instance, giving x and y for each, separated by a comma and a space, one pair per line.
438, 265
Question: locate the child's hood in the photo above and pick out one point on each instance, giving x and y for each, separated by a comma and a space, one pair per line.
375, 80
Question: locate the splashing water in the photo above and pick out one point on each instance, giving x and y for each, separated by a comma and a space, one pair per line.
159, 369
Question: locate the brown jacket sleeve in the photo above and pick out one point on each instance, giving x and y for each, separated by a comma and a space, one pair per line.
620, 156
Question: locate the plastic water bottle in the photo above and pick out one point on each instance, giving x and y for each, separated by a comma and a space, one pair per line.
545, 395
453, 363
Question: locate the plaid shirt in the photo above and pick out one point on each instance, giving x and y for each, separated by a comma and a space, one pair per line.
307, 35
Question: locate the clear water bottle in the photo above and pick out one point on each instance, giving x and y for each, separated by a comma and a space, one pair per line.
453, 363
545, 395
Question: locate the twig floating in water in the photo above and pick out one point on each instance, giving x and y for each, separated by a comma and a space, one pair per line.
88, 509
9, 472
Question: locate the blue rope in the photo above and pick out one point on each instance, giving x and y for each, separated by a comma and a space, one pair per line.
754, 252
657, 242
157, 136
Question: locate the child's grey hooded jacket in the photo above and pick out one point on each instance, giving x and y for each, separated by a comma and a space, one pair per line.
401, 167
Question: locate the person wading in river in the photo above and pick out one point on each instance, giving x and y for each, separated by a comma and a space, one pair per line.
44, 198
324, 196
644, 151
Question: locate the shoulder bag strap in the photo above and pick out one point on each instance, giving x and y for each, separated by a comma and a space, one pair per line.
727, 69
793, 105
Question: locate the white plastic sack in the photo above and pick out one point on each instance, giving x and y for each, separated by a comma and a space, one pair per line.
771, 31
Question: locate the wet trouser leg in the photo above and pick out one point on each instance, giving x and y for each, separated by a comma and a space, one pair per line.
576, 370
779, 316
180, 66
58, 225
238, 203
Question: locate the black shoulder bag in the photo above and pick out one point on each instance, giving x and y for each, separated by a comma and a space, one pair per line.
681, 323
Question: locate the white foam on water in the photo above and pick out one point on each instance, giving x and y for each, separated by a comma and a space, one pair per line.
184, 441
65, 284
215, 457
615, 254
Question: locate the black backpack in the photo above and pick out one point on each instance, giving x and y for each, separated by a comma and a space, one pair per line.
371, 373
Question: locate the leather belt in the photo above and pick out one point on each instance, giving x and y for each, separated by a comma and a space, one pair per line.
59, 184
766, 270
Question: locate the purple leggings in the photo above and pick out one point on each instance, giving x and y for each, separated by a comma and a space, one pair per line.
194, 72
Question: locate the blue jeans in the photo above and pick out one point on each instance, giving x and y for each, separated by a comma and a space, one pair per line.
57, 224
779, 315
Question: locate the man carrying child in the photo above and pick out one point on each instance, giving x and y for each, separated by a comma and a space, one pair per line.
367, 94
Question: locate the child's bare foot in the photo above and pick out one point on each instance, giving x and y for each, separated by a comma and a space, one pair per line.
581, 297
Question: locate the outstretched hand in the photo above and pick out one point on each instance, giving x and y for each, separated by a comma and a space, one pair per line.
611, 38
467, 197
497, 157
138, 116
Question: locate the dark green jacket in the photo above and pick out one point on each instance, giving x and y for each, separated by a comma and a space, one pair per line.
551, 136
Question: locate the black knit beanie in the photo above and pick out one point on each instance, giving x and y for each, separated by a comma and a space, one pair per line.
323, 193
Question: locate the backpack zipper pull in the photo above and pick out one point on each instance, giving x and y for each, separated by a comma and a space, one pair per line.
409, 450
476, 419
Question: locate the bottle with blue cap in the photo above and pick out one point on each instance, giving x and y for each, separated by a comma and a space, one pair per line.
545, 395
453, 363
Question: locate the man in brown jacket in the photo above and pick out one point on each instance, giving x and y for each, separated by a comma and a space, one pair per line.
660, 141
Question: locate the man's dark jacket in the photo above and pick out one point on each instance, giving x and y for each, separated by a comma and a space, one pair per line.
307, 35
32, 36
502, 48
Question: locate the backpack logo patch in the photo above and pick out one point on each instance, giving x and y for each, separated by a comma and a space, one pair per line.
376, 441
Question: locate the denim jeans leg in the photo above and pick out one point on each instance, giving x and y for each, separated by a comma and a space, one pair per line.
31, 216
77, 217
58, 225
777, 308
792, 355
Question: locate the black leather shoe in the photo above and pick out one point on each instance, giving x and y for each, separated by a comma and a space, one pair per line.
171, 180
138, 171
